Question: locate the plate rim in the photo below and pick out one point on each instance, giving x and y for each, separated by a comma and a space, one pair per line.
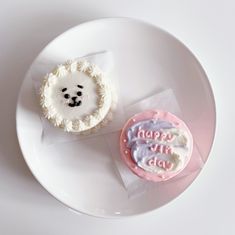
110, 19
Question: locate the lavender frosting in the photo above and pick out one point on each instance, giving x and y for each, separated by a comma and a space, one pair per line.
153, 124
141, 147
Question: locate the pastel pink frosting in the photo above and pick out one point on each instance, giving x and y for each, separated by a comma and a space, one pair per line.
167, 171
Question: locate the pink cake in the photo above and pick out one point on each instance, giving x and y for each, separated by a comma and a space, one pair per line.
156, 145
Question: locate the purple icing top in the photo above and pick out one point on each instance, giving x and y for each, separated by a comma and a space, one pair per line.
142, 144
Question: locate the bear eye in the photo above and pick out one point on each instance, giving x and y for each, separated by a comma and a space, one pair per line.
66, 96
64, 89
79, 93
80, 86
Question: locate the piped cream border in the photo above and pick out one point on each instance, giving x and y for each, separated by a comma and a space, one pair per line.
94, 120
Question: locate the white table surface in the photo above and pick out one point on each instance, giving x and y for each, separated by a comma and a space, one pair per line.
207, 28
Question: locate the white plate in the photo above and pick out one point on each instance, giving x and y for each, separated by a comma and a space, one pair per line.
147, 59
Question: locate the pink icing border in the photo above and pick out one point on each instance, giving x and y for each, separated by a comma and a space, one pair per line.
125, 151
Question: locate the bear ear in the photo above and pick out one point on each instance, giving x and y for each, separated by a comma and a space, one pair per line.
80, 86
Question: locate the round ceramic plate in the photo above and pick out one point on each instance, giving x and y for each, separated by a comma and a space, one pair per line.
147, 59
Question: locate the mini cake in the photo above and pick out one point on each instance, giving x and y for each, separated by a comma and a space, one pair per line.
156, 145
77, 97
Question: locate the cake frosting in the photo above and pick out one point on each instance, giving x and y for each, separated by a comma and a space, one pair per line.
77, 97
156, 145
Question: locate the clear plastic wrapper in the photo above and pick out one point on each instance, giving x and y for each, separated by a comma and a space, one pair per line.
135, 185
53, 135
164, 100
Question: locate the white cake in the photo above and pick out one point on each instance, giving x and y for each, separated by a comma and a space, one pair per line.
77, 97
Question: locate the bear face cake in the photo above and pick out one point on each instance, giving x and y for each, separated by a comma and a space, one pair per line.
77, 97
156, 145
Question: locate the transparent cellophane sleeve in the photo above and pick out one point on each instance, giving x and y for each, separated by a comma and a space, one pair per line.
161, 100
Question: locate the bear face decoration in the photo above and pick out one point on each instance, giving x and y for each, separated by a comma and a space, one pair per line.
75, 96
74, 99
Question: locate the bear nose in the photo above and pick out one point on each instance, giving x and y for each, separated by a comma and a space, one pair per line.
74, 98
